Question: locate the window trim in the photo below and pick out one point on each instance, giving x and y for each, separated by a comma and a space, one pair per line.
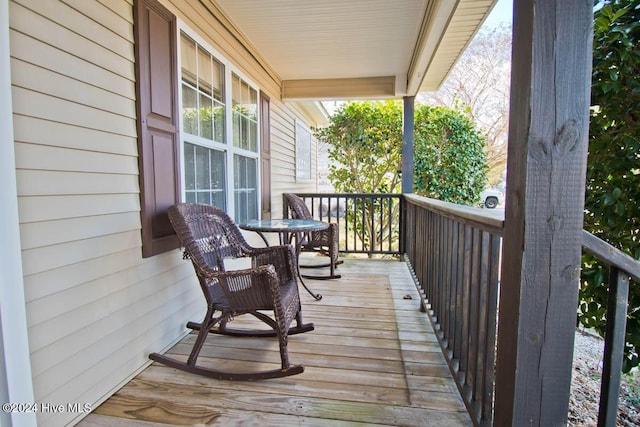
227, 147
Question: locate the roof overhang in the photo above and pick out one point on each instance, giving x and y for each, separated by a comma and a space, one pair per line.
357, 49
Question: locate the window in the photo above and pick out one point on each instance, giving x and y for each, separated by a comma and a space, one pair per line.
211, 152
303, 152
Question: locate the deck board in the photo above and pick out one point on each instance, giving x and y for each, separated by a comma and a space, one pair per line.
373, 359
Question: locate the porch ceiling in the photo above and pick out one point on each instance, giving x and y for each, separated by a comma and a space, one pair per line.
337, 49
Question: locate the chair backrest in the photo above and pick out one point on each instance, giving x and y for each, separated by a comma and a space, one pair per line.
297, 207
208, 234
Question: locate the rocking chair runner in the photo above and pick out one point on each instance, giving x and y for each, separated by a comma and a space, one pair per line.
324, 242
209, 237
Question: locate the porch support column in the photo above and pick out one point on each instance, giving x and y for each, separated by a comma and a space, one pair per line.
408, 120
15, 367
548, 136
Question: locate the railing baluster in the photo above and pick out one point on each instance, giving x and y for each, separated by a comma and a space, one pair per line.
427, 273
492, 323
346, 223
391, 220
442, 285
438, 282
451, 303
473, 313
359, 210
483, 316
458, 348
455, 294
613, 346
381, 221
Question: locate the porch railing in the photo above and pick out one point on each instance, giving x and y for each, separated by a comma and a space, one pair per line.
454, 252
455, 255
621, 268
368, 223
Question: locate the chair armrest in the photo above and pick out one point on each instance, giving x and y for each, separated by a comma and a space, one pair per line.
253, 288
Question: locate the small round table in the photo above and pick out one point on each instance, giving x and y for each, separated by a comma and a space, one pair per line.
287, 229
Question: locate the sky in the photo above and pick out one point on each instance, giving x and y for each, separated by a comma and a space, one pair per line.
502, 12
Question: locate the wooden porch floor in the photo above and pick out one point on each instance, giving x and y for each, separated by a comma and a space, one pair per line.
373, 359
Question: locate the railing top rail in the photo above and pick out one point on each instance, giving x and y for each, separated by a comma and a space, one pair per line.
347, 195
486, 219
611, 255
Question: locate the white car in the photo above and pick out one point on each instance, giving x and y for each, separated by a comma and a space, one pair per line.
491, 198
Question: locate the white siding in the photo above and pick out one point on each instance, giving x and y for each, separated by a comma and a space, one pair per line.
95, 308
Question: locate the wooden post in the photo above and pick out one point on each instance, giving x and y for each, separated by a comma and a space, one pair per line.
408, 121
548, 137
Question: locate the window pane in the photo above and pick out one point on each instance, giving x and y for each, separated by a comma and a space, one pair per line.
245, 108
218, 122
237, 134
204, 72
245, 94
206, 116
218, 80
205, 175
189, 110
254, 102
189, 168
245, 188
218, 171
203, 197
203, 171
236, 94
218, 199
251, 135
188, 59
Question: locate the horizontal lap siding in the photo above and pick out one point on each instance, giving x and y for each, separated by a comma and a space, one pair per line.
283, 159
95, 308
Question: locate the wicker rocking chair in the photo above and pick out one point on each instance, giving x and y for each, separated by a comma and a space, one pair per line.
324, 242
210, 236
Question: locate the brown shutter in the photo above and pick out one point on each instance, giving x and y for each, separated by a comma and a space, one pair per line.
157, 108
265, 155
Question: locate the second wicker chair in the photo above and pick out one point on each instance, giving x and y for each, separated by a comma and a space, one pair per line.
324, 242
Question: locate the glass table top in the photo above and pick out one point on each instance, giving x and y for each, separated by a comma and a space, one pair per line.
281, 225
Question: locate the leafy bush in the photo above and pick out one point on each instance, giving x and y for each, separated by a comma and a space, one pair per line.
365, 147
612, 204
449, 160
